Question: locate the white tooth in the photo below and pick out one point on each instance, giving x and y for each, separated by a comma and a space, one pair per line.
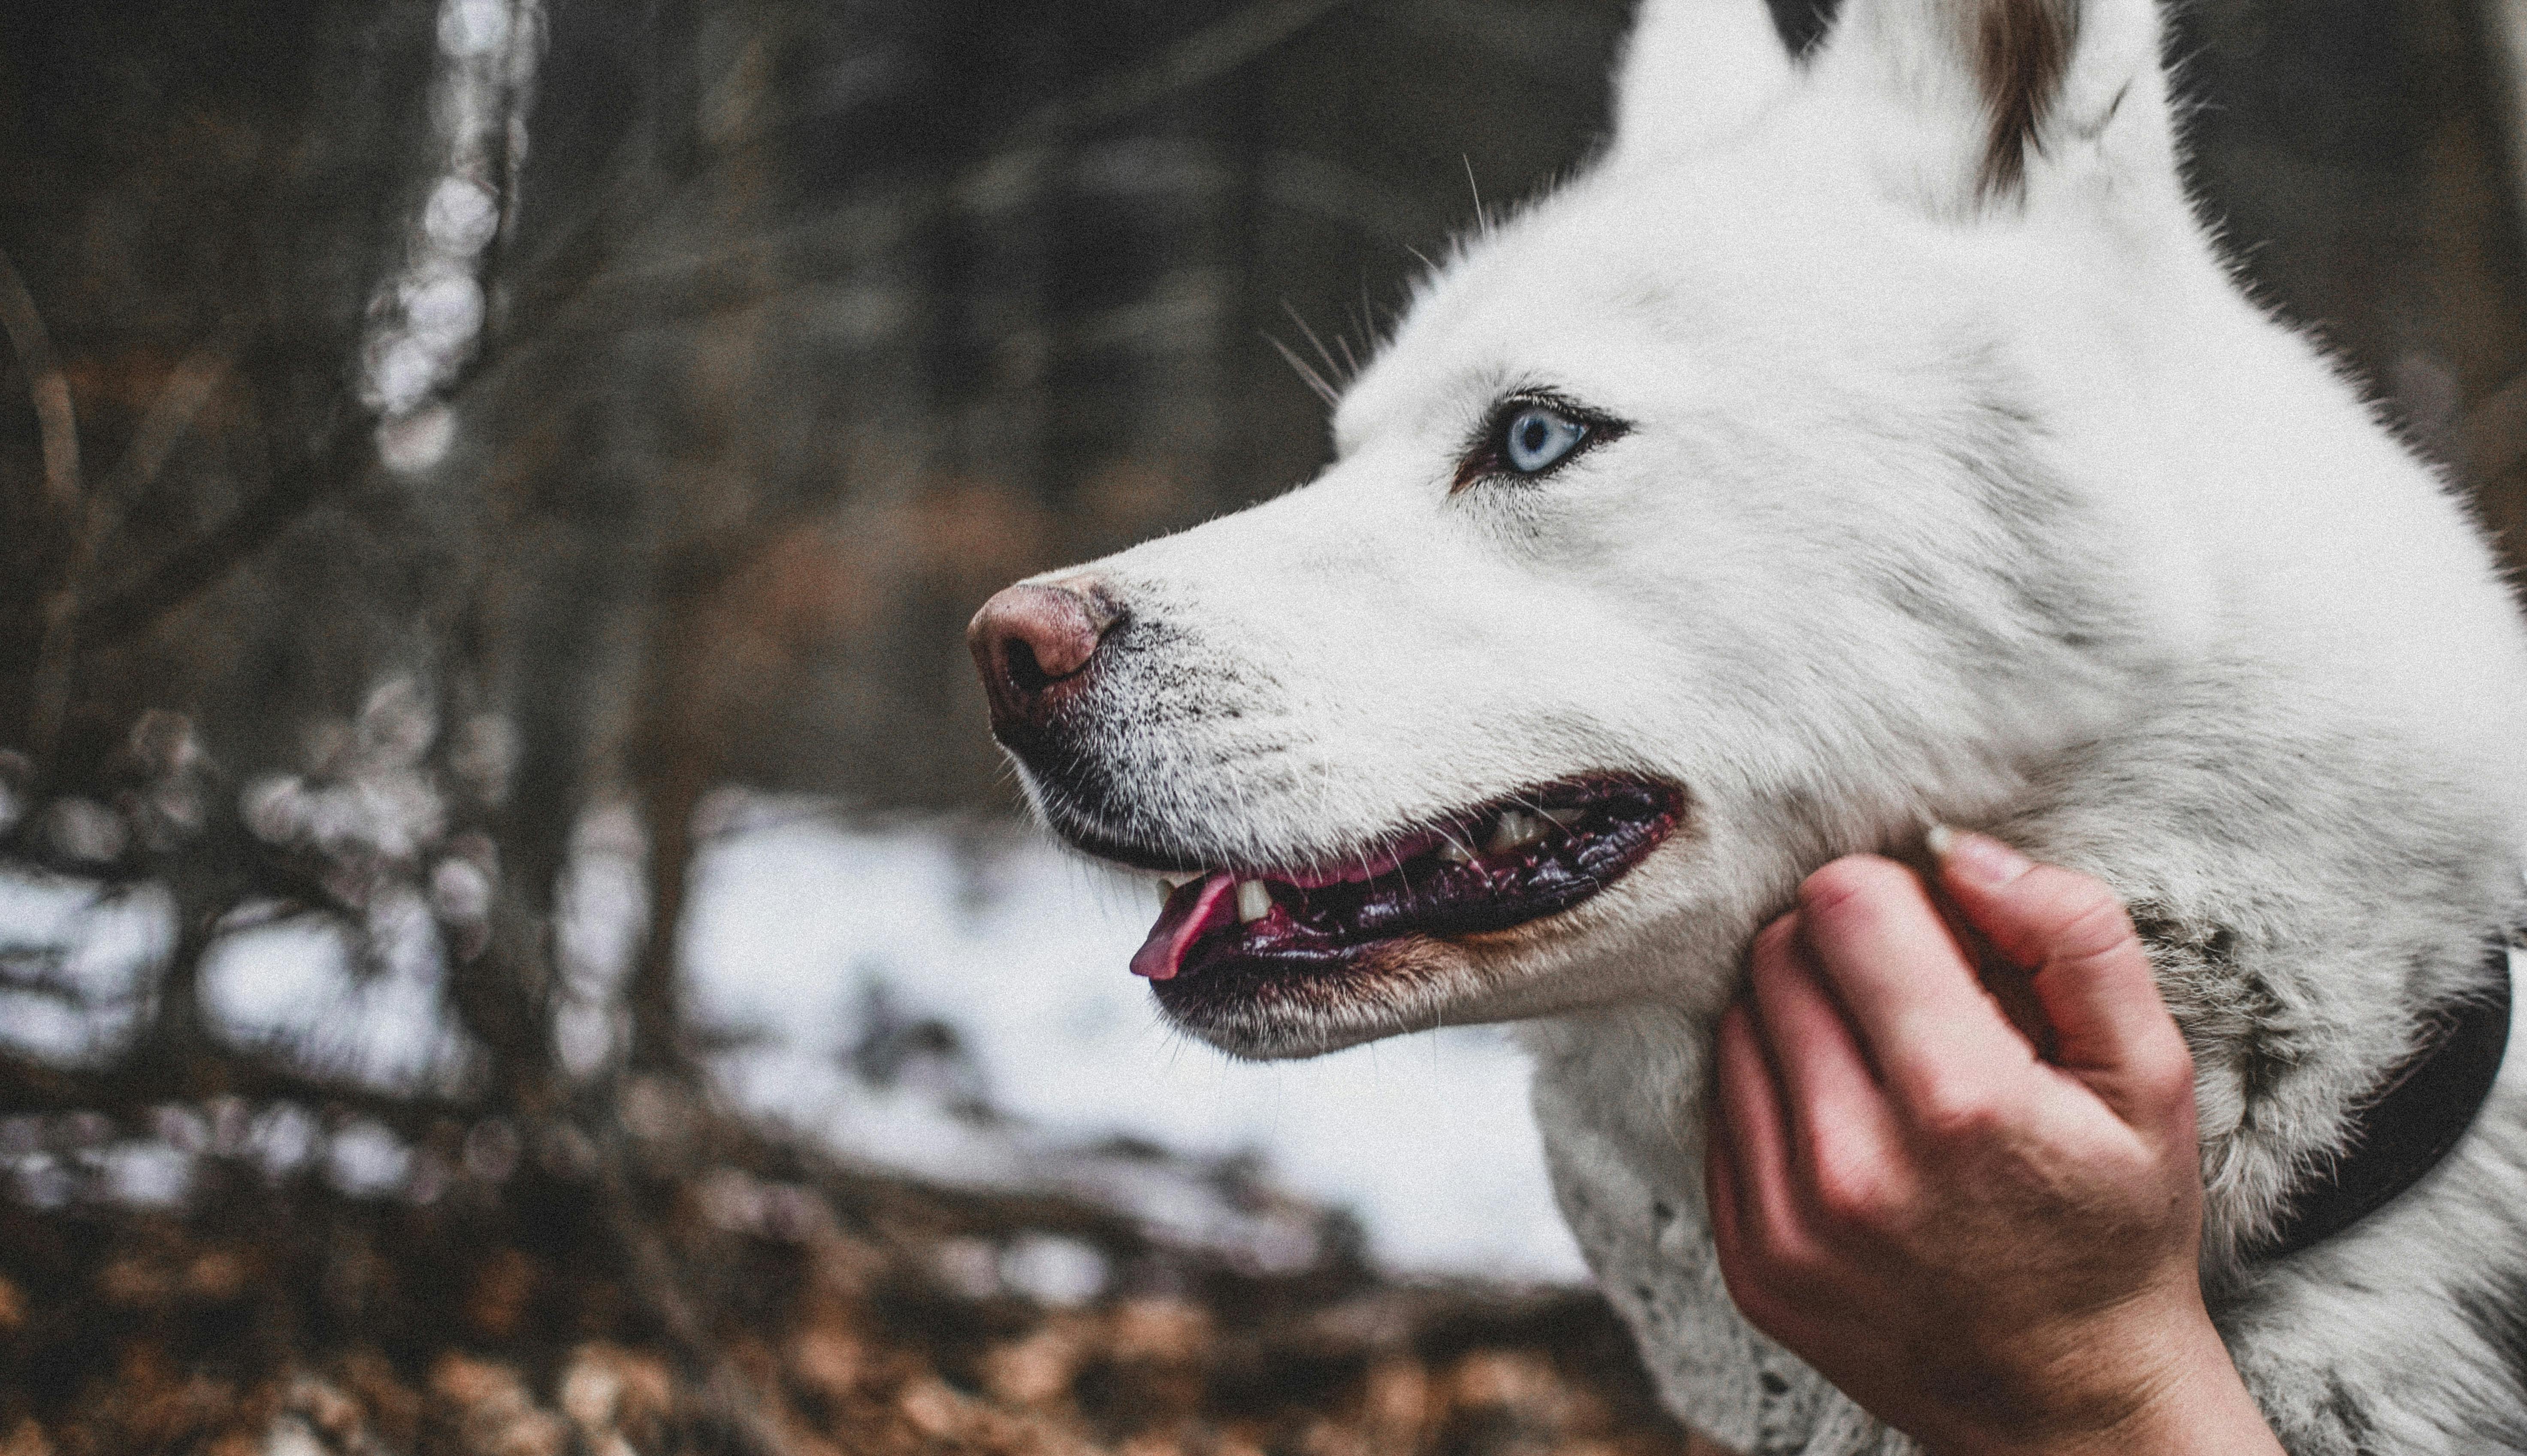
1455, 853
1254, 902
1516, 830
1566, 818
1167, 892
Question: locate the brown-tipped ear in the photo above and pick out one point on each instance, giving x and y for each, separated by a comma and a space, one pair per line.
2021, 54
1998, 90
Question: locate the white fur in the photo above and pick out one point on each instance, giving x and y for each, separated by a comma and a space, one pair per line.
2005, 510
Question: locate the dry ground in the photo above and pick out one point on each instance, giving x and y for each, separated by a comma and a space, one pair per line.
712, 1290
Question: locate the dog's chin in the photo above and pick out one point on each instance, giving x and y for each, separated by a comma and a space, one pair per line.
1447, 922
1263, 1011
1267, 1009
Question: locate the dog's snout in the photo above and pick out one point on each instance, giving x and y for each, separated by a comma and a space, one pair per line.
1035, 643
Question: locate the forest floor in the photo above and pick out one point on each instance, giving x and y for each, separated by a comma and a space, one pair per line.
698, 1285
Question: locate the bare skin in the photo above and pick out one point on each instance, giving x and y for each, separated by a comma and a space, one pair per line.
1991, 1249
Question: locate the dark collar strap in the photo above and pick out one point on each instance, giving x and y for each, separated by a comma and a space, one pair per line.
2418, 1114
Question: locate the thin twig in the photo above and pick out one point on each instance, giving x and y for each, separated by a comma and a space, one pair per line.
188, 388
209, 557
56, 426
169, 417
48, 387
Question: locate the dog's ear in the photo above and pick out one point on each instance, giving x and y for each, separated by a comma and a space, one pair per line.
2002, 98
1694, 72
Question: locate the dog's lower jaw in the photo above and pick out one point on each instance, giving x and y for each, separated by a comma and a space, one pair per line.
1392, 988
1389, 988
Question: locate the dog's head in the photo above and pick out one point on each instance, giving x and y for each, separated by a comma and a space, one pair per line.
1755, 494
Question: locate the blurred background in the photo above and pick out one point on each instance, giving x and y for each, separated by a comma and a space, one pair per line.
513, 932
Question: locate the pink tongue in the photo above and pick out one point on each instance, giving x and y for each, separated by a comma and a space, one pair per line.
1194, 909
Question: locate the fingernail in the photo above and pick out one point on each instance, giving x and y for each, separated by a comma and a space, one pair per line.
1978, 858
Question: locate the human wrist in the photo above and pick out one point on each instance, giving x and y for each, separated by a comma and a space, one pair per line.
2207, 1411
2188, 1400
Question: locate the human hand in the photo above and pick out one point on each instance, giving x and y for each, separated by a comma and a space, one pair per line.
1991, 1251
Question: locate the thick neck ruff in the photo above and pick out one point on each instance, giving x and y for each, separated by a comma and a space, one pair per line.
2410, 1123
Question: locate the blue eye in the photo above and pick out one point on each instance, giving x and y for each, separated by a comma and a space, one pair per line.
1538, 439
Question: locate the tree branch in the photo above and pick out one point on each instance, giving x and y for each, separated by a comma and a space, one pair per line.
188, 388
47, 385
56, 426
169, 415
344, 452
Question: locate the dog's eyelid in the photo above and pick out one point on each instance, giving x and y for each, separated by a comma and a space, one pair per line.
1484, 458
1539, 396
1516, 402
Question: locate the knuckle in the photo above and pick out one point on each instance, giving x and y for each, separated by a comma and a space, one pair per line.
2167, 1072
1855, 884
1956, 1111
1852, 1190
1775, 944
1777, 1246
1851, 896
2094, 928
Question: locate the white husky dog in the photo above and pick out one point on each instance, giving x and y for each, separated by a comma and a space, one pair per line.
1862, 442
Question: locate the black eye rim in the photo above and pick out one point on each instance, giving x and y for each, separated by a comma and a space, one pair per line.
1486, 457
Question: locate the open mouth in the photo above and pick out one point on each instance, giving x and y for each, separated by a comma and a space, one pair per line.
1530, 855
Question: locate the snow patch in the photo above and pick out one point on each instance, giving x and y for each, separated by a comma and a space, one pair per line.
1022, 951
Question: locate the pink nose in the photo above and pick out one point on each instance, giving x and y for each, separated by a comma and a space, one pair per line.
1034, 644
